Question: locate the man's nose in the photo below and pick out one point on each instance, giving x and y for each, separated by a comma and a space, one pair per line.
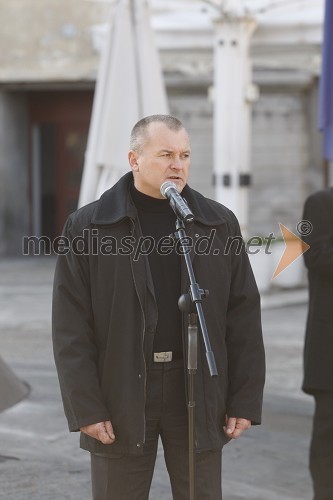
177, 163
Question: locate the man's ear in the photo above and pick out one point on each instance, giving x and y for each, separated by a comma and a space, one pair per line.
133, 160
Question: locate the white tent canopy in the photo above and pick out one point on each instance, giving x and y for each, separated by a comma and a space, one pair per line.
129, 86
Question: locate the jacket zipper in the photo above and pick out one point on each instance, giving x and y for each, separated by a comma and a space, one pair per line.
142, 344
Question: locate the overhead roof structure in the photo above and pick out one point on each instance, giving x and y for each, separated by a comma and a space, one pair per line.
189, 23
66, 49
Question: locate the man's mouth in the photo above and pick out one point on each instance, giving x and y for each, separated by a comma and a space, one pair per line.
174, 177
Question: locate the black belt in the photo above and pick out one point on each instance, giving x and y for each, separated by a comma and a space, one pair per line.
166, 356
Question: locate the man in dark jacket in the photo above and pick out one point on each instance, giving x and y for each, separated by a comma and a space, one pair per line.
318, 349
120, 341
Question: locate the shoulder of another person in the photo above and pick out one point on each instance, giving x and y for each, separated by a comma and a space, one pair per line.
322, 196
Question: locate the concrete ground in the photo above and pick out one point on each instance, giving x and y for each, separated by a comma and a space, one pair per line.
40, 460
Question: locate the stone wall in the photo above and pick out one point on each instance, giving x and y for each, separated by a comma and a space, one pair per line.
285, 153
53, 39
195, 111
280, 156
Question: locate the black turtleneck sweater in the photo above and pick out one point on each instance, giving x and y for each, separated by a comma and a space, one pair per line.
157, 219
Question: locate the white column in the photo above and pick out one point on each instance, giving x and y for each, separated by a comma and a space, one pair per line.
233, 94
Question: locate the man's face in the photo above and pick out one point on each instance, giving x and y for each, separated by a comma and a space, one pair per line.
165, 156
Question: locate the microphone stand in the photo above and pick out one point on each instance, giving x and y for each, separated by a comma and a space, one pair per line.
191, 304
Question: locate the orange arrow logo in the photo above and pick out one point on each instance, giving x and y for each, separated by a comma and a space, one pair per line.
294, 248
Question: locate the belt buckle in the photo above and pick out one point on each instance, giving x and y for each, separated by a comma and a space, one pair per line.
163, 357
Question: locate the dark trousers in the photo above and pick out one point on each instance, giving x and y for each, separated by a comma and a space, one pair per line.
129, 477
321, 449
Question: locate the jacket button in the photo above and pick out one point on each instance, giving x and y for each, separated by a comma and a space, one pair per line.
138, 445
140, 376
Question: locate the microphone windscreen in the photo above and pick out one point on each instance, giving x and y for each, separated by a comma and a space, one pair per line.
165, 186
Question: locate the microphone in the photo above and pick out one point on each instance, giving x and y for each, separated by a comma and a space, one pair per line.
178, 204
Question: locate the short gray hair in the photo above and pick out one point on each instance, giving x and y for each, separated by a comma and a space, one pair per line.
139, 132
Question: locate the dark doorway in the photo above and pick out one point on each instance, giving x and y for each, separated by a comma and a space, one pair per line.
59, 132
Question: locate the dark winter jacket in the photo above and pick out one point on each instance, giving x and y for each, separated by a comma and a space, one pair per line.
105, 316
318, 349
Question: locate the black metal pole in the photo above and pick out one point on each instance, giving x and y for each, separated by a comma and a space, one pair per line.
192, 369
196, 295
191, 303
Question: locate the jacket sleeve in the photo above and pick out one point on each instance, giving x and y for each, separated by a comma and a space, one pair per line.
74, 349
246, 357
319, 257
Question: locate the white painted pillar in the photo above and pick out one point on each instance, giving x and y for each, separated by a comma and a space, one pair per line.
233, 94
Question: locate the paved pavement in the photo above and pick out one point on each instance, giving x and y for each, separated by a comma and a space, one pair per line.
40, 460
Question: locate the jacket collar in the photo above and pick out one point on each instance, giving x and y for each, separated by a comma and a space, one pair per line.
116, 204
206, 211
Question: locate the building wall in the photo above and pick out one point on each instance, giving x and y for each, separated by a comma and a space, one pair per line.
196, 112
55, 43
52, 39
14, 201
284, 153
280, 158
